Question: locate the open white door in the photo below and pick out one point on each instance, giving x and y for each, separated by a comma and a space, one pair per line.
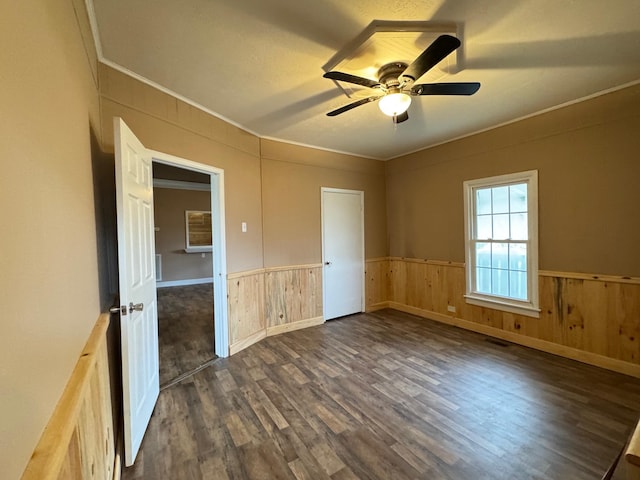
342, 252
136, 262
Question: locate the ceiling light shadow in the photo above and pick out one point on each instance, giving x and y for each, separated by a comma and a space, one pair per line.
321, 22
487, 13
571, 52
291, 113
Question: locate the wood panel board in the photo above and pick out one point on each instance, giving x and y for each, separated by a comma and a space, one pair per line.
377, 281
246, 306
623, 305
293, 295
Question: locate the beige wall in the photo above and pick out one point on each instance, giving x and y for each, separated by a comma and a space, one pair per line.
268, 184
48, 266
169, 207
291, 180
587, 158
168, 125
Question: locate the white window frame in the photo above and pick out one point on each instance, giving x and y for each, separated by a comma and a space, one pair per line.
530, 307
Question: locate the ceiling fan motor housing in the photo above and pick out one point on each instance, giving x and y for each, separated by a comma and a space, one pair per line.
389, 74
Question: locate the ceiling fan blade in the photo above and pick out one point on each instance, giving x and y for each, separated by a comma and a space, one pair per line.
348, 107
468, 88
345, 77
439, 49
403, 117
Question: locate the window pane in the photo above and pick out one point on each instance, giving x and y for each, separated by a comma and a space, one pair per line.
518, 257
483, 255
519, 227
518, 285
483, 201
483, 280
500, 227
500, 255
483, 227
500, 199
518, 197
500, 282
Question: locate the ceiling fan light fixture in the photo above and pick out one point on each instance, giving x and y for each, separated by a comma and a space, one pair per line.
394, 104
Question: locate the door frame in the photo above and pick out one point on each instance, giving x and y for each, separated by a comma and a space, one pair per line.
360, 193
219, 251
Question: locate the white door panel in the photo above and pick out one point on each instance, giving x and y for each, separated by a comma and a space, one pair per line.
136, 254
343, 252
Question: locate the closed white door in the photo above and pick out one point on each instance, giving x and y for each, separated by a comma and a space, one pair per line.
136, 262
342, 252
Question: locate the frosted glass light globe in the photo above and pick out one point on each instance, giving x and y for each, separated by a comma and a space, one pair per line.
394, 104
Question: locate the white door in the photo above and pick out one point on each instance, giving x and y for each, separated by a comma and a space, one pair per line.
136, 262
342, 252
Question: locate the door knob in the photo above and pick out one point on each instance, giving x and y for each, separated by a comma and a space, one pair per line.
135, 307
327, 263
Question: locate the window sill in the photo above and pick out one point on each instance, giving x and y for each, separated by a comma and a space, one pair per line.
496, 304
198, 249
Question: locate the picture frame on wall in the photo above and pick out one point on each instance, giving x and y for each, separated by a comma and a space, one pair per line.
198, 233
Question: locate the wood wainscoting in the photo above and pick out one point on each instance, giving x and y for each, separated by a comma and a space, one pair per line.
247, 324
270, 301
293, 297
591, 318
78, 441
377, 284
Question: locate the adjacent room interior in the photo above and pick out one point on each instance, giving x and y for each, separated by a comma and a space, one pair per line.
184, 270
497, 332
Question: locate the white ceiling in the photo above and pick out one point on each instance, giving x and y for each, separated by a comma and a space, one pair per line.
258, 63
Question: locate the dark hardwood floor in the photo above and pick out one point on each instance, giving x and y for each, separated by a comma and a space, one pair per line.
185, 329
389, 396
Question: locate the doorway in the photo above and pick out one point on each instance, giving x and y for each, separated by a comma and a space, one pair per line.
220, 334
342, 252
184, 271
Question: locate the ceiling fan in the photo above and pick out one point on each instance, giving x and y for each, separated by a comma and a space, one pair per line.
395, 83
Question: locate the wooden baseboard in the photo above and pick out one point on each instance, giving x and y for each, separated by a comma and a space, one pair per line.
247, 342
376, 306
289, 327
543, 345
275, 330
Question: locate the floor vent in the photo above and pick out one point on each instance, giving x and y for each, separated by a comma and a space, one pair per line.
495, 341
